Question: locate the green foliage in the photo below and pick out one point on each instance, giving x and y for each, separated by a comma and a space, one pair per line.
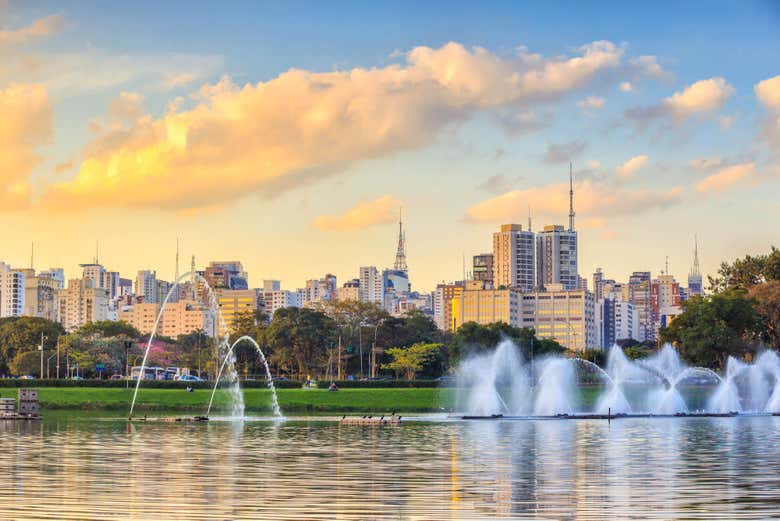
472, 338
637, 352
413, 359
747, 272
297, 339
767, 298
20, 334
712, 328
412, 328
597, 356
108, 328
26, 363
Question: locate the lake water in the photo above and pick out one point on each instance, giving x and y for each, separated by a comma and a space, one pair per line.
92, 468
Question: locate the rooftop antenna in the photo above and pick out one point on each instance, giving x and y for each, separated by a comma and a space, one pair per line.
400, 254
571, 199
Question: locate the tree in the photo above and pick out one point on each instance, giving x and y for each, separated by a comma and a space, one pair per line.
412, 328
109, 328
472, 338
712, 328
196, 348
748, 272
298, 338
26, 363
24, 334
767, 298
413, 359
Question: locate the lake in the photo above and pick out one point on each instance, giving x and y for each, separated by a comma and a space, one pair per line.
89, 467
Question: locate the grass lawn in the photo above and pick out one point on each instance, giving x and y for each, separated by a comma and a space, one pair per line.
256, 400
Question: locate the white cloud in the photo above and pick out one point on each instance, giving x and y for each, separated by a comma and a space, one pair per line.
596, 200
629, 168
564, 152
626, 86
725, 178
702, 97
40, 28
704, 163
591, 103
365, 214
768, 93
302, 126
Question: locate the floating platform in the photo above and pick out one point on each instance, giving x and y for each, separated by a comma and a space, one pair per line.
170, 419
370, 420
20, 417
617, 416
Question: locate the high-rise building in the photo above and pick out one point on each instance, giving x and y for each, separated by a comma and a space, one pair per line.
226, 275
513, 258
616, 320
395, 287
233, 303
556, 257
94, 272
695, 287
110, 281
641, 296
12, 291
371, 287
39, 295
442, 303
81, 303
666, 300
320, 290
478, 304
567, 316
146, 285
271, 285
349, 291
482, 268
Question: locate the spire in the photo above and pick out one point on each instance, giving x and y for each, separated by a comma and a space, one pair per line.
571, 199
400, 254
695, 270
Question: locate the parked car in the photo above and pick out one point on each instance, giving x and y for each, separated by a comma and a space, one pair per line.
189, 378
26, 377
447, 379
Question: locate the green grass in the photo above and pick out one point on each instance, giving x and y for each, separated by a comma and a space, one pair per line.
256, 400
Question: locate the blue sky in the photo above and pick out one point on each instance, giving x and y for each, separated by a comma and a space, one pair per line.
458, 179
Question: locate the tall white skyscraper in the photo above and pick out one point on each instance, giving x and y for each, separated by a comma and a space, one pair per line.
556, 257
513, 257
146, 285
371, 287
12, 291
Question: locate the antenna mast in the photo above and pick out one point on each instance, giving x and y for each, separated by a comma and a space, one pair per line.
571, 199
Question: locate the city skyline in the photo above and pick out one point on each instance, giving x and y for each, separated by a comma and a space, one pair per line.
133, 135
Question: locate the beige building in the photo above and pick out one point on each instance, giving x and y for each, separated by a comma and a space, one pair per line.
81, 303
485, 306
178, 318
513, 258
235, 302
40, 295
567, 316
442, 303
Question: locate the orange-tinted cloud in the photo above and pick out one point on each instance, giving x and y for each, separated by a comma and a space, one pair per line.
302, 126
551, 202
768, 93
364, 215
725, 178
25, 123
701, 97
629, 168
38, 29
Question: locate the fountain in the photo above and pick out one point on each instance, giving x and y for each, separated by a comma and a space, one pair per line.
230, 358
501, 383
222, 343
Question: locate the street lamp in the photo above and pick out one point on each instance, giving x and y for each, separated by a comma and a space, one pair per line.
48, 360
40, 348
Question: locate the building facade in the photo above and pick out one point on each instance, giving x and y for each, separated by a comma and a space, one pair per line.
513, 258
484, 306
566, 316
81, 303
482, 268
12, 291
371, 286
556, 257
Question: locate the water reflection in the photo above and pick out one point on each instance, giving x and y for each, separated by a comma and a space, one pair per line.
657, 468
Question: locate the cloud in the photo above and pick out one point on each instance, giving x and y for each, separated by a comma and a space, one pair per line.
629, 168
725, 178
364, 215
126, 108
92, 70
704, 163
524, 121
498, 184
768, 94
626, 86
65, 166
301, 126
702, 97
591, 103
564, 152
26, 123
40, 28
596, 200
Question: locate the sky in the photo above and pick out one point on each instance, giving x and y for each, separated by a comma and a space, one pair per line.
287, 135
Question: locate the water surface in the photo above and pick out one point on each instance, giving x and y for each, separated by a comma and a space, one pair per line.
93, 468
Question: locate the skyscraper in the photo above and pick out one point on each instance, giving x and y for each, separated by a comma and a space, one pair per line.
640, 295
482, 268
371, 287
695, 287
513, 257
556, 257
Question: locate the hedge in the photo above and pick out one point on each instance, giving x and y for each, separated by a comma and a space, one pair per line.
249, 384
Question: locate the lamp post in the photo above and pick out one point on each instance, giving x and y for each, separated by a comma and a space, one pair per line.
40, 348
48, 360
